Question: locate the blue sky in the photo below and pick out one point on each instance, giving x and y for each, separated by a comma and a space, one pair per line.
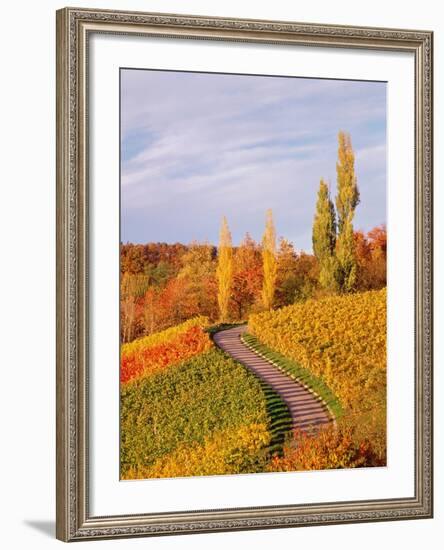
197, 146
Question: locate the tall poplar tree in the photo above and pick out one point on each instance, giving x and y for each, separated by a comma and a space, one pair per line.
269, 261
347, 199
224, 271
324, 238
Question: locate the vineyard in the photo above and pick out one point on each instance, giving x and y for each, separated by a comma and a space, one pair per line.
156, 352
252, 336
188, 409
200, 416
342, 341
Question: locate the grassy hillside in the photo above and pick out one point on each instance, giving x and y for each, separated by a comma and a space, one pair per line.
207, 415
340, 340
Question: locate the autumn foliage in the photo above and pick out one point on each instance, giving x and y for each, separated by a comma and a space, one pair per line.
208, 415
224, 271
269, 262
154, 353
341, 339
231, 451
371, 257
189, 409
329, 448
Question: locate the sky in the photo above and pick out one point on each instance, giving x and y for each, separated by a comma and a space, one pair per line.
199, 146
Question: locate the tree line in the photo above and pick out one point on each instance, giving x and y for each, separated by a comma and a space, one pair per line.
224, 270
166, 284
333, 238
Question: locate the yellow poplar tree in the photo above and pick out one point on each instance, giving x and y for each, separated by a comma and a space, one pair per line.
347, 199
224, 271
269, 261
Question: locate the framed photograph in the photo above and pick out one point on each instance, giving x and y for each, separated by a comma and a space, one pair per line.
244, 274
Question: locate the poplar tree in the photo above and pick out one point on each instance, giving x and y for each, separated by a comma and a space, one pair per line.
346, 257
269, 262
224, 271
347, 199
324, 238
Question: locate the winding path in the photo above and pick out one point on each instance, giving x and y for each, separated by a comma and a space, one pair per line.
304, 408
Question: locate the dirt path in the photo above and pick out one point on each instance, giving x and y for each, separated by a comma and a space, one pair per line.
304, 408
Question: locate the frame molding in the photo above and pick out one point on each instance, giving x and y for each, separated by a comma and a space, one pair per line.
73, 521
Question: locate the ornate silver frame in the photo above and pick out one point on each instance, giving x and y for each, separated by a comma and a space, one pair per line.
74, 521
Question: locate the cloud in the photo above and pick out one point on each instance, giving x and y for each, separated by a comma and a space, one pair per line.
199, 146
